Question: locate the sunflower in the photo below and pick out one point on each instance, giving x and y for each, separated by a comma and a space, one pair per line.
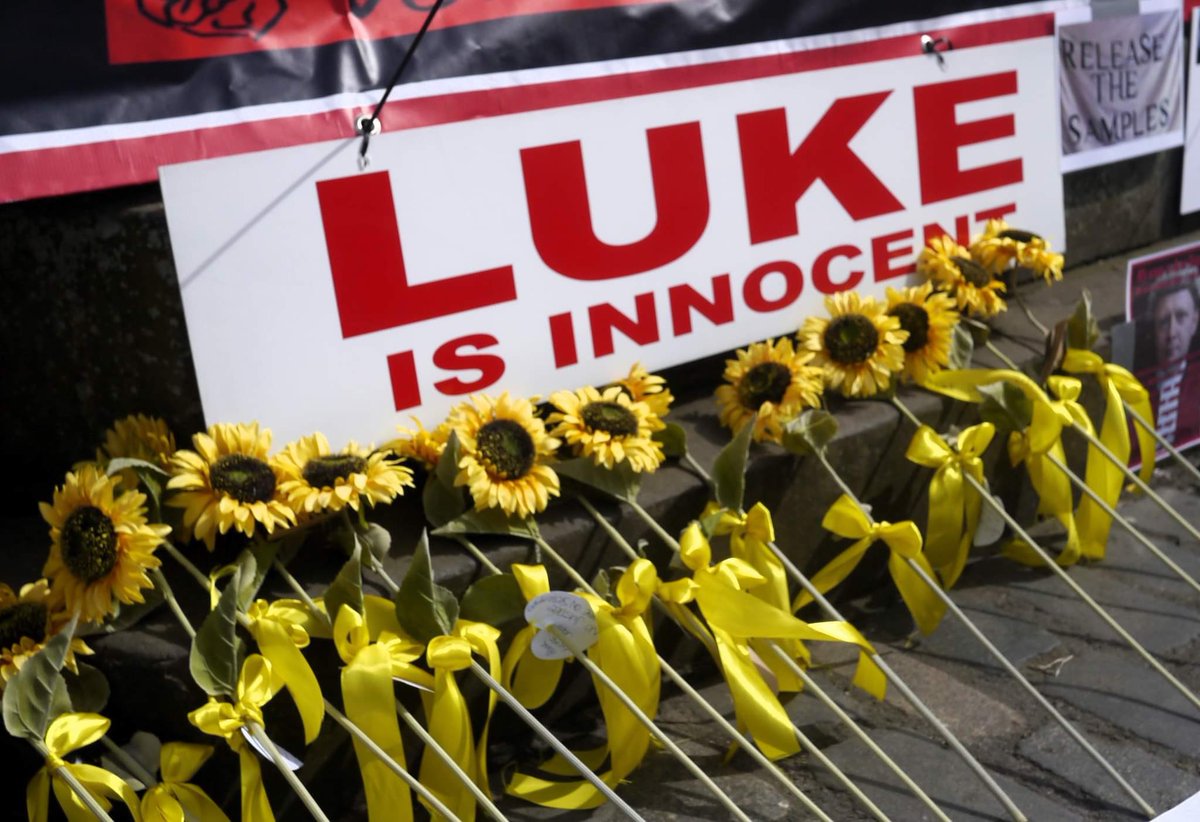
1000, 245
228, 482
27, 623
101, 544
769, 379
929, 318
952, 268
419, 444
610, 428
642, 386
314, 480
504, 449
139, 437
858, 348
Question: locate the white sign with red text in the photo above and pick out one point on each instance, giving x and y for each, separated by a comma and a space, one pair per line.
564, 223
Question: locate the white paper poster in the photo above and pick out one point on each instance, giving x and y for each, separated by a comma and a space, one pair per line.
558, 226
1189, 197
1120, 83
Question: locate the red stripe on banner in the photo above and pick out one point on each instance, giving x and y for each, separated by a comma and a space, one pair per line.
45, 172
142, 31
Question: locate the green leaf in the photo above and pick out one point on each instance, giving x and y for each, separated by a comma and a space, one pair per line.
377, 539
88, 689
346, 588
729, 468
38, 693
152, 477
144, 748
810, 432
424, 608
991, 524
119, 464
621, 481
442, 499
962, 348
287, 548
673, 440
601, 584
1005, 406
216, 656
489, 521
1082, 328
255, 562
494, 599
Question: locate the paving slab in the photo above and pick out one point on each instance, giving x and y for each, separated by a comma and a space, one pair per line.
1119, 687
943, 776
1160, 783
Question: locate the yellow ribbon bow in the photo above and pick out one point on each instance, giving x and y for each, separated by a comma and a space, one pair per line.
954, 504
174, 799
624, 650
449, 722
256, 684
69, 732
1103, 476
1033, 447
749, 535
278, 628
370, 702
903, 539
735, 616
529, 679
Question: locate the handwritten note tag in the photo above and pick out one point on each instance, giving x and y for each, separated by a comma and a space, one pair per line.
567, 612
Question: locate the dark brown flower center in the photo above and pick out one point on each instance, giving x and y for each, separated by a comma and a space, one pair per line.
506, 448
851, 339
89, 543
612, 417
245, 478
765, 382
325, 471
973, 272
914, 320
1018, 235
23, 619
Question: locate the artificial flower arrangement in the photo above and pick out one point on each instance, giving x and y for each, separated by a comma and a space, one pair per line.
492, 467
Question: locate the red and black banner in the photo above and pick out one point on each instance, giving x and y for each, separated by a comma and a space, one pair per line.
103, 94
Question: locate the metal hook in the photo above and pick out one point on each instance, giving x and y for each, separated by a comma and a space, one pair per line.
929, 45
368, 126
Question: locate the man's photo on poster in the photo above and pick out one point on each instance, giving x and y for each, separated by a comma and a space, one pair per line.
1163, 300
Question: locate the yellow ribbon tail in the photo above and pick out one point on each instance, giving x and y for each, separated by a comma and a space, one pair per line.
531, 680
37, 796
195, 804
450, 724
754, 703
276, 644
256, 806
369, 697
926, 607
836, 570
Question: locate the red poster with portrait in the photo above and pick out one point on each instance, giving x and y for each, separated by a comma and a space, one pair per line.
1163, 302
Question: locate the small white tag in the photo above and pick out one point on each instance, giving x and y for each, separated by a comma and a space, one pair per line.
570, 614
292, 762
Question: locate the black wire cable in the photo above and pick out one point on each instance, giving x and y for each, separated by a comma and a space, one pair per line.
368, 125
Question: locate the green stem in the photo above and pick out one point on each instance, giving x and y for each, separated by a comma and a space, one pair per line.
700, 472
1034, 321
479, 556
1000, 355
129, 763
653, 523
160, 582
289, 775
